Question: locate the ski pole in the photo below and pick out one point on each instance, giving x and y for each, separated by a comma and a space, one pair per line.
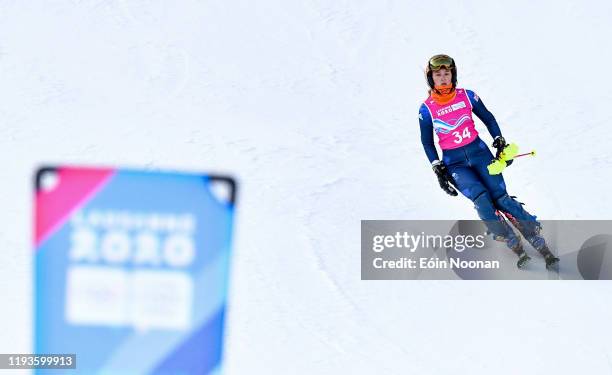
498, 165
532, 153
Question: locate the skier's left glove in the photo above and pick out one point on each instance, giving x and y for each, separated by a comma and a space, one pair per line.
500, 143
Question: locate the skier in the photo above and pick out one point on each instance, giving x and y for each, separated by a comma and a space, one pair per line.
465, 157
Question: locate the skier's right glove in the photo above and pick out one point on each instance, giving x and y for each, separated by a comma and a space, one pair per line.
444, 178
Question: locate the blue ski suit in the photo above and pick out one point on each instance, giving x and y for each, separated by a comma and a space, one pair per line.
468, 167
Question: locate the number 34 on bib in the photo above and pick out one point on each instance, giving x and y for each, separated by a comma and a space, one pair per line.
460, 137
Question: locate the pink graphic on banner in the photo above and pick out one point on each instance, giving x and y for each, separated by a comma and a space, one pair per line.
74, 188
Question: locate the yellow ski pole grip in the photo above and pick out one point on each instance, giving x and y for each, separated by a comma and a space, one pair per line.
496, 166
509, 152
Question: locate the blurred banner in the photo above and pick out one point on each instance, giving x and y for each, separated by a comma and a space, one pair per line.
453, 250
131, 269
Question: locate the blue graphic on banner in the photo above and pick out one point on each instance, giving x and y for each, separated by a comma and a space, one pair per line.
135, 280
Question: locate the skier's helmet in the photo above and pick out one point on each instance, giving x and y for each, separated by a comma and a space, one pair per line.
438, 62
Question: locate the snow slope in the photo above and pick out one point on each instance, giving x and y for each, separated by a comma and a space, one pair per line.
313, 106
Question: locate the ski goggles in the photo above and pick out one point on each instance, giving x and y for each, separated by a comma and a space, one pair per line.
441, 62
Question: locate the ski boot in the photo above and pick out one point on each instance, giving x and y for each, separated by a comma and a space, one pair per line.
539, 243
522, 254
523, 259
552, 262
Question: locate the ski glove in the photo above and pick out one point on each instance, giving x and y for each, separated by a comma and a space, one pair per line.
444, 178
500, 143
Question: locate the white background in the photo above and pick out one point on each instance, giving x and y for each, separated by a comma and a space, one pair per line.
313, 106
